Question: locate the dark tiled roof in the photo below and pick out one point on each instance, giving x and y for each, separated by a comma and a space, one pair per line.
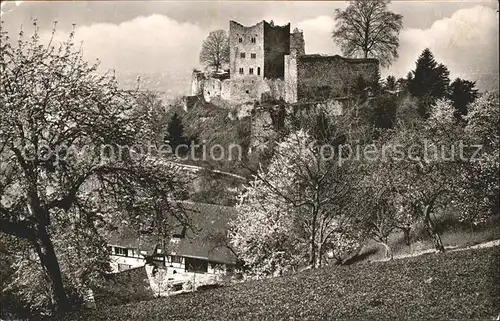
206, 238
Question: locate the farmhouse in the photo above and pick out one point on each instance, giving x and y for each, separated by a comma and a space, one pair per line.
201, 249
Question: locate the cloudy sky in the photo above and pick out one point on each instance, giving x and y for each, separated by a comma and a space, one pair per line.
165, 37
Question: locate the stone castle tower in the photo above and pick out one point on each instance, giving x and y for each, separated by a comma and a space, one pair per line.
259, 50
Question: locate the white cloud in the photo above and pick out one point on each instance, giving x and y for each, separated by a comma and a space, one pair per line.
162, 50
150, 44
466, 42
318, 35
6, 8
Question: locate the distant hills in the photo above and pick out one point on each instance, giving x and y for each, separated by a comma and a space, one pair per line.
167, 84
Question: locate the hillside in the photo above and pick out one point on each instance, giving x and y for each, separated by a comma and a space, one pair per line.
454, 285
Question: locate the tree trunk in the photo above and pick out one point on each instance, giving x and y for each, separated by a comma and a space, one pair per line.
406, 232
312, 244
49, 262
438, 243
312, 253
388, 251
320, 255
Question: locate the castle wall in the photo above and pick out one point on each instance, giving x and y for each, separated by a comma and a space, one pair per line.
241, 90
276, 89
297, 43
211, 88
197, 78
246, 46
276, 46
368, 68
290, 78
323, 77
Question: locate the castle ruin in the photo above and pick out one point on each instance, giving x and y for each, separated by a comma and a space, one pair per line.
268, 62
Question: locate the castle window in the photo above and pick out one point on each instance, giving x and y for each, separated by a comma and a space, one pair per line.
241, 71
250, 71
240, 39
253, 40
252, 55
258, 71
242, 55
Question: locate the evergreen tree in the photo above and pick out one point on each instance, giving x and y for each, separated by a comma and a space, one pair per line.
175, 132
462, 94
430, 82
402, 83
390, 83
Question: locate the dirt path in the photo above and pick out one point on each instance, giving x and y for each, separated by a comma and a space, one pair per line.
447, 248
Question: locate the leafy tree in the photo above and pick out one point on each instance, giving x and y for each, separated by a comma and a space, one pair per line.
427, 177
463, 93
215, 50
430, 82
380, 209
368, 29
63, 127
150, 111
260, 234
480, 179
310, 195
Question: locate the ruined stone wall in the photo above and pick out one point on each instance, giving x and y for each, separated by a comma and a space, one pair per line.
261, 129
211, 88
276, 89
323, 77
290, 78
246, 46
241, 90
297, 43
368, 68
197, 81
276, 46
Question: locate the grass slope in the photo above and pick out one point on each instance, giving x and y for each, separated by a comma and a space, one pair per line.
455, 285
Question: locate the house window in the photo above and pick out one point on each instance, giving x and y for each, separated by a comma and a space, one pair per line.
252, 55
240, 39
175, 259
121, 251
242, 55
196, 265
250, 71
258, 71
241, 71
253, 40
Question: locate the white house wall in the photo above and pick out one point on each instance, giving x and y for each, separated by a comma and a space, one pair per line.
133, 262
